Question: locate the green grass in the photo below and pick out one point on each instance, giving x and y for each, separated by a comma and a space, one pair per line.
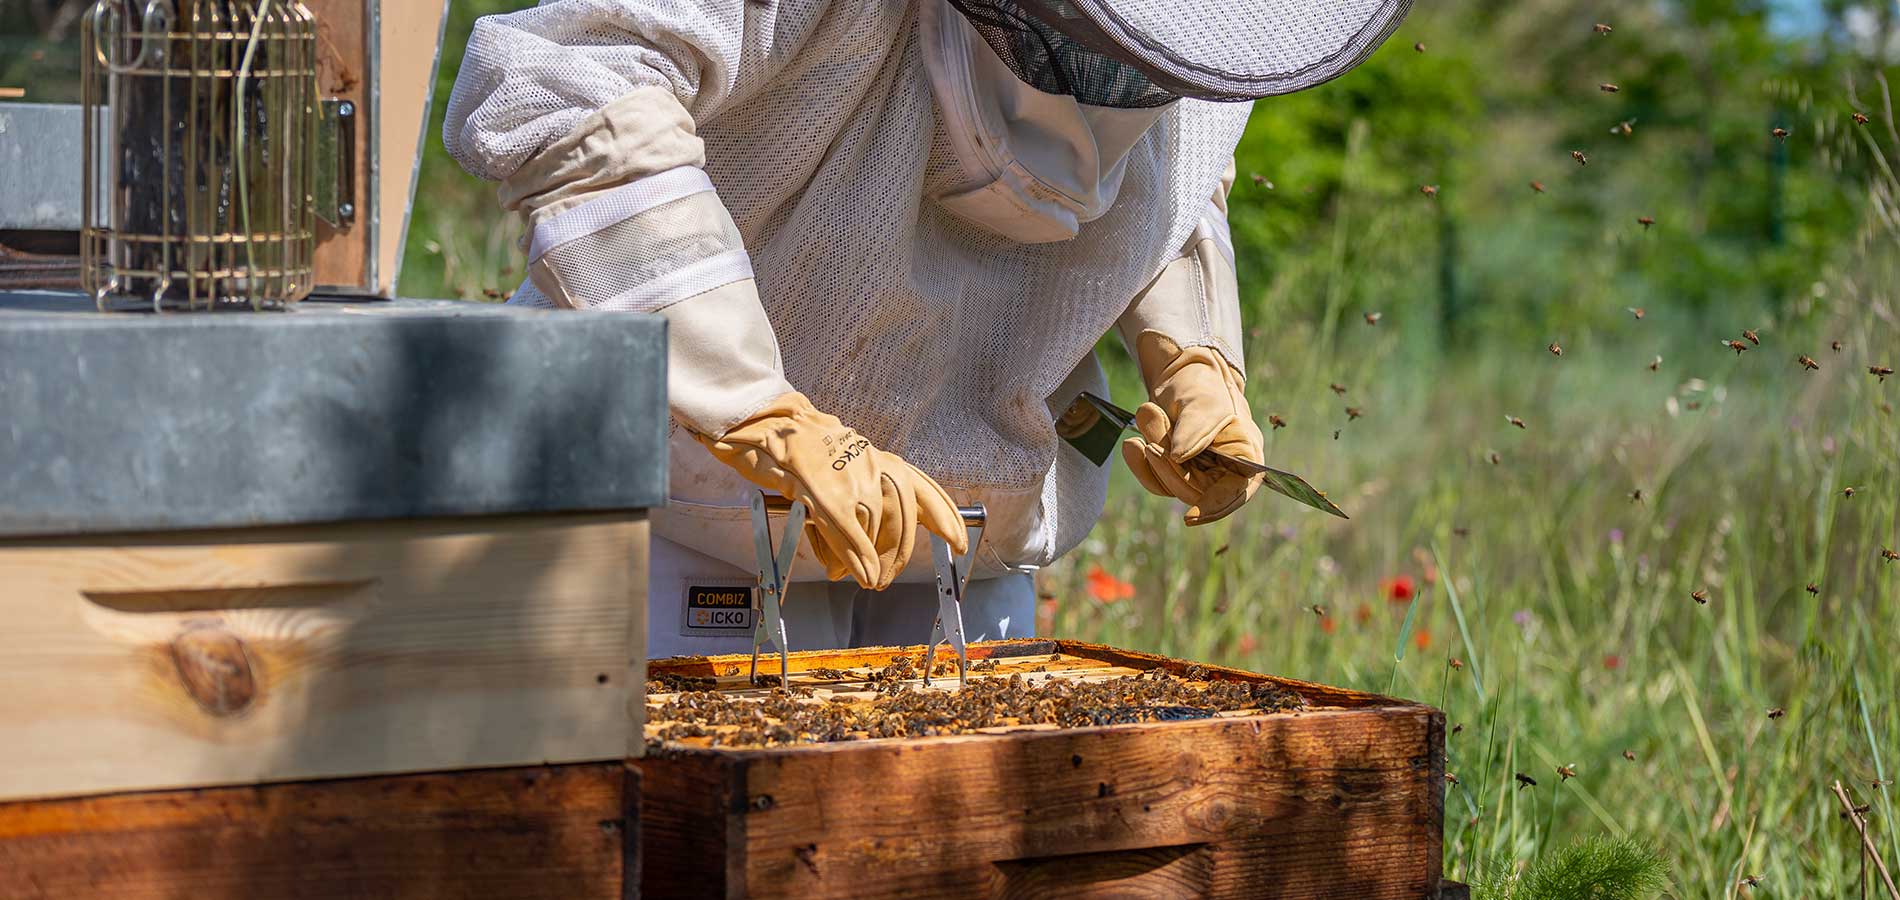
1568, 603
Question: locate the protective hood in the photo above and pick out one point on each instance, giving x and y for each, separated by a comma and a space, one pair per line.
1036, 165
1135, 52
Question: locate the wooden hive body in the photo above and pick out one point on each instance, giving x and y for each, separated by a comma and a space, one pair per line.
1343, 800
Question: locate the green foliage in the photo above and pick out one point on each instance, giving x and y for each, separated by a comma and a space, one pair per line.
1595, 868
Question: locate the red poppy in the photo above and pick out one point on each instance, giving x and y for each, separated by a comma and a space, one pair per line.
1107, 588
1247, 644
1362, 614
1612, 662
1398, 589
1327, 624
1422, 639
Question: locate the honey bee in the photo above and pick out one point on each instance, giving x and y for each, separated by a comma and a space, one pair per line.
1637, 311
1700, 596
1460, 531
1776, 712
1555, 349
1881, 371
1354, 412
1451, 779
1629, 755
1514, 420
1807, 362
1317, 610
1495, 459
1456, 663
1860, 118
1636, 496
1372, 318
1525, 781
1260, 180
1335, 434
1608, 88
1645, 221
1624, 128
1276, 421
1429, 190
1655, 364
1878, 784
1836, 345
1781, 134
1749, 881
1736, 346
1848, 492
491, 293
1420, 46
1455, 729
1581, 159
1223, 549
1537, 186
1753, 338
1889, 555
1601, 28
1339, 389
1814, 589
1565, 773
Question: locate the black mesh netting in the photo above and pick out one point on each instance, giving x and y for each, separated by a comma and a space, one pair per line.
1055, 63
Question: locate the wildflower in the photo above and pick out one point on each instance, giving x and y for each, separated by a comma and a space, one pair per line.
1327, 624
1612, 662
1107, 588
1616, 535
1363, 614
1422, 639
1523, 618
1398, 589
1247, 644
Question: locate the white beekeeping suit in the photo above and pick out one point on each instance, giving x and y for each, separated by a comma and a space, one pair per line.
908, 223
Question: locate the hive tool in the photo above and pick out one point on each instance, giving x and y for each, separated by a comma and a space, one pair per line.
1094, 427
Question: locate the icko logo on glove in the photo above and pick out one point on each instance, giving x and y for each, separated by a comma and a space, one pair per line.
846, 448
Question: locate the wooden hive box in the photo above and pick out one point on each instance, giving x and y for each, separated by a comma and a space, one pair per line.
353, 605
1343, 799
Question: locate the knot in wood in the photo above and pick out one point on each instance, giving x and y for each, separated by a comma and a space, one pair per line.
215, 669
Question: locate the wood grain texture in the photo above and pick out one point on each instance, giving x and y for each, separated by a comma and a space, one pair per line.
230, 657
1339, 802
343, 73
560, 833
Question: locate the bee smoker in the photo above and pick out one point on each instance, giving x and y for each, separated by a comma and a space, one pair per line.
200, 121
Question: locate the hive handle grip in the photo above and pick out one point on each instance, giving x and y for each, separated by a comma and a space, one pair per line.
973, 516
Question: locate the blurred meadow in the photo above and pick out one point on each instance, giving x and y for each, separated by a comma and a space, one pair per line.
1663, 599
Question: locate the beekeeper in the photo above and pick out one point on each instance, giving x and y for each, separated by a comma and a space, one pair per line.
886, 237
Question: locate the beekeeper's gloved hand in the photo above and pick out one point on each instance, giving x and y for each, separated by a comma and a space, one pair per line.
864, 503
1184, 331
1196, 403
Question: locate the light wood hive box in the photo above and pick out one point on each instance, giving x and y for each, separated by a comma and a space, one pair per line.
142, 672
1343, 799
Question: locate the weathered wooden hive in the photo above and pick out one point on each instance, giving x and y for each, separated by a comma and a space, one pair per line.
1339, 796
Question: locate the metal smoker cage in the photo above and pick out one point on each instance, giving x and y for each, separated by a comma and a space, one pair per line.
200, 127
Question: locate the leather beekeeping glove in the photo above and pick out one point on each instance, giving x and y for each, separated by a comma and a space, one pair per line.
1184, 331
864, 504
1196, 403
